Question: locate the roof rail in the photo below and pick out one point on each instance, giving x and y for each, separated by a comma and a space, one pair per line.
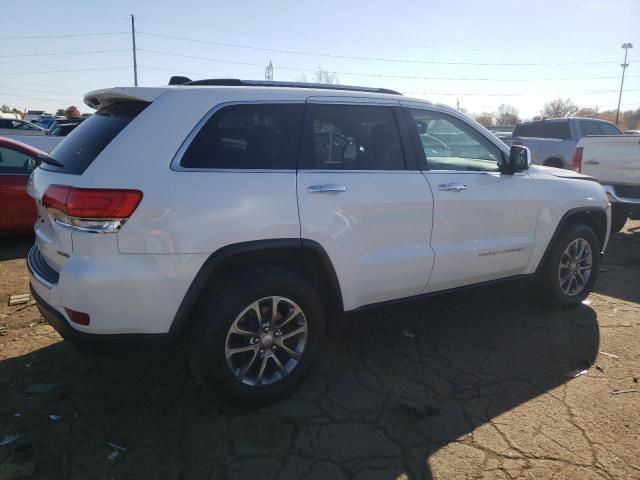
234, 82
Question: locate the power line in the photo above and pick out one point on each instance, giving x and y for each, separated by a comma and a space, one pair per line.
64, 35
64, 53
372, 59
65, 71
377, 75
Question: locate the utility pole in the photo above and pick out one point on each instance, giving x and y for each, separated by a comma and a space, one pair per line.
135, 61
268, 72
624, 66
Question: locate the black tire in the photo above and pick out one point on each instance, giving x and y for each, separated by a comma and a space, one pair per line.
549, 288
619, 216
217, 311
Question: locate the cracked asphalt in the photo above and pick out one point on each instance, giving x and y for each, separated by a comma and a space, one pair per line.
478, 384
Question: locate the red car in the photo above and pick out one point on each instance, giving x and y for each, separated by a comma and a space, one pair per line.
17, 160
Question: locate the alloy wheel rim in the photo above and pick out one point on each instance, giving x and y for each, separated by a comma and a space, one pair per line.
266, 341
575, 266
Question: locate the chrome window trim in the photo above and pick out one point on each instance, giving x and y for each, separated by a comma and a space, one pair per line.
177, 158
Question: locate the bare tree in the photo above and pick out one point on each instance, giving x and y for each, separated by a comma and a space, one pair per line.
559, 108
507, 115
320, 76
5, 109
485, 119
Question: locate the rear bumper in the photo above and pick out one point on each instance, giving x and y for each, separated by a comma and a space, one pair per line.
618, 194
76, 337
124, 295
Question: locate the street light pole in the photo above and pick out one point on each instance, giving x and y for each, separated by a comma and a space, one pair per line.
624, 66
135, 60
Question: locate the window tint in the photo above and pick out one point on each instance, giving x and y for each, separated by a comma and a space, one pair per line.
80, 148
248, 137
609, 129
450, 144
543, 129
12, 161
352, 137
4, 123
589, 127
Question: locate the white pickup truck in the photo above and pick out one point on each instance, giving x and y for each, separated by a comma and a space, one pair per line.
615, 161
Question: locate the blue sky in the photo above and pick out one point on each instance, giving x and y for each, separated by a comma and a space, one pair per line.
444, 51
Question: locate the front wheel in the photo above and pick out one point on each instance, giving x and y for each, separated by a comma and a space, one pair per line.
571, 269
254, 341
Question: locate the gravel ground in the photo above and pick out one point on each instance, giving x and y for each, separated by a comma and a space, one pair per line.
477, 384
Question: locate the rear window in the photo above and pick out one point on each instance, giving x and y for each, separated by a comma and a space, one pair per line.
609, 129
80, 148
589, 127
558, 130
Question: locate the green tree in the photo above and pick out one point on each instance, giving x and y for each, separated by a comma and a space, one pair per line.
61, 112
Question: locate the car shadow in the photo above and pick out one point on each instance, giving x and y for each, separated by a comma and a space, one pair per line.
619, 276
391, 389
14, 247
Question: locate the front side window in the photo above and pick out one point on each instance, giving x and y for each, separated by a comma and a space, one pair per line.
450, 144
352, 137
15, 162
260, 136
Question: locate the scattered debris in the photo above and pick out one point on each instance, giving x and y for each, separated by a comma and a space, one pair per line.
16, 470
599, 368
17, 414
114, 445
610, 355
420, 411
618, 392
635, 379
54, 417
19, 299
575, 373
113, 455
7, 439
408, 333
586, 302
40, 388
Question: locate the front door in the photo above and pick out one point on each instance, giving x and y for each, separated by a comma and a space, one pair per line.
483, 221
358, 199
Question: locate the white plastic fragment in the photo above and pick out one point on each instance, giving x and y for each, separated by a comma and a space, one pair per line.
54, 417
575, 373
610, 355
113, 455
408, 334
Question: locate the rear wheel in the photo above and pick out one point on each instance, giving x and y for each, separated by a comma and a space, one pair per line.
571, 269
255, 340
619, 216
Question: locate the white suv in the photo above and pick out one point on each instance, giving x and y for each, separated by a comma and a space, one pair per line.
246, 218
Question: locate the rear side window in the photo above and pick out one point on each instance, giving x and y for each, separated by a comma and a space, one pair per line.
589, 127
609, 129
558, 130
15, 162
262, 136
352, 137
80, 148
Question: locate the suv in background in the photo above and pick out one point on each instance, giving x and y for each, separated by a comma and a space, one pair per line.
243, 219
553, 141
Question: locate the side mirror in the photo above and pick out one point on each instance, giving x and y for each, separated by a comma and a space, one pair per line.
518, 161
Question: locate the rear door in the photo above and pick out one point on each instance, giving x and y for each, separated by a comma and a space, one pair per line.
361, 200
483, 221
18, 209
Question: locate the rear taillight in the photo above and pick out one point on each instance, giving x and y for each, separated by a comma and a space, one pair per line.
576, 160
91, 209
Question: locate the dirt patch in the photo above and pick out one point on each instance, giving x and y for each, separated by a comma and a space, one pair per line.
479, 388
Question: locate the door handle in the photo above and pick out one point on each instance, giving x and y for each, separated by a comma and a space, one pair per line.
455, 187
327, 187
592, 162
